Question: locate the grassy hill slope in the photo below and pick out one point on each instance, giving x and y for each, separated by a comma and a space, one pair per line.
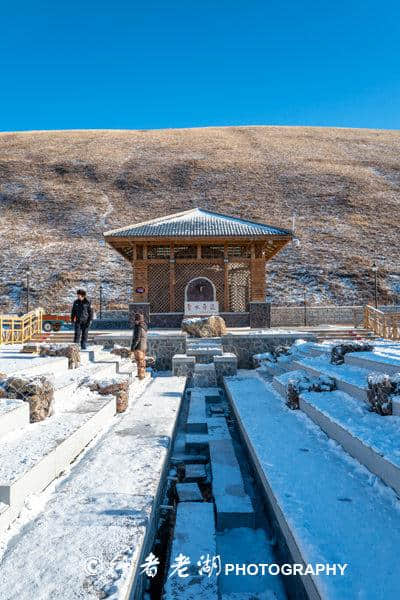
60, 190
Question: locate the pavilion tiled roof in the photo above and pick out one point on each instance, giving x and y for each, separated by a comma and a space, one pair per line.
197, 223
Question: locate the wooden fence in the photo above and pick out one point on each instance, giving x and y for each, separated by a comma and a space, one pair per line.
18, 330
385, 325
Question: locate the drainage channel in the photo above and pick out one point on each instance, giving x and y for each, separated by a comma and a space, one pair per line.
215, 529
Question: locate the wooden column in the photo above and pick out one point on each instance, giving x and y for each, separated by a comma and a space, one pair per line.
257, 274
226, 280
140, 280
172, 279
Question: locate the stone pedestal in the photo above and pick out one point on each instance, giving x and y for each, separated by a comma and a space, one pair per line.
260, 315
183, 365
225, 365
139, 307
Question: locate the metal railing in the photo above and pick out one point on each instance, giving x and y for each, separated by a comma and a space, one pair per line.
18, 330
385, 325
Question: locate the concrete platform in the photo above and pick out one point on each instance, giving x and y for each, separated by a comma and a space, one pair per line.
194, 536
106, 508
325, 504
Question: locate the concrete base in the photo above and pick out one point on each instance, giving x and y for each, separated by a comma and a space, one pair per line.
204, 375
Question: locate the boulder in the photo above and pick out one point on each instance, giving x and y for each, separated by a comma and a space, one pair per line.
381, 389
71, 351
204, 327
122, 399
339, 351
38, 391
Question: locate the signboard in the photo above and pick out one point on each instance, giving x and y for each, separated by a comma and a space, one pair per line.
201, 308
140, 290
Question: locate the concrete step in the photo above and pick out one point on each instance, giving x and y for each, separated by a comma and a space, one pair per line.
188, 492
381, 363
194, 536
12, 362
370, 438
352, 380
324, 503
14, 415
34, 457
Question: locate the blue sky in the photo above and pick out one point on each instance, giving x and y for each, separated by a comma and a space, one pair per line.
153, 64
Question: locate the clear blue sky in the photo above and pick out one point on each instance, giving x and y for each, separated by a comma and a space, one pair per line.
153, 64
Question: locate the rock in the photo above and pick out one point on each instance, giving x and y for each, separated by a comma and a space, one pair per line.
116, 386
307, 384
122, 399
204, 327
30, 348
122, 351
381, 389
71, 351
338, 352
38, 391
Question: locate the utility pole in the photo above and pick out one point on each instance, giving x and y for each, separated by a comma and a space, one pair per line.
27, 288
375, 272
101, 300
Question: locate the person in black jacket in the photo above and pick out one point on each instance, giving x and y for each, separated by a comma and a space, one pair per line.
81, 316
139, 344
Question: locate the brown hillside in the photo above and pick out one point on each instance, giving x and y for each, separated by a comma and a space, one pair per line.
60, 190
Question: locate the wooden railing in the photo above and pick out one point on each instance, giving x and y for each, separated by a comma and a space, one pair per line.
18, 330
385, 325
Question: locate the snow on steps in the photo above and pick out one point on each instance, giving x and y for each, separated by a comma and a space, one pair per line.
34, 456
14, 414
106, 508
349, 379
326, 504
194, 536
12, 362
280, 382
382, 363
370, 438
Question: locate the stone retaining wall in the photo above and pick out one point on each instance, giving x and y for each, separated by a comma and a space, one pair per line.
245, 345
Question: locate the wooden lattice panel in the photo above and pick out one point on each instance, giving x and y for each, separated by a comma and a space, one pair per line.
185, 272
158, 277
238, 287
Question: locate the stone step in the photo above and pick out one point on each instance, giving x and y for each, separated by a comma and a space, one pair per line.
352, 380
12, 362
324, 503
370, 438
33, 458
14, 415
195, 537
188, 492
195, 472
196, 421
381, 363
233, 506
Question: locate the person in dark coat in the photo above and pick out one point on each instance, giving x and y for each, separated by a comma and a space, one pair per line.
139, 344
81, 316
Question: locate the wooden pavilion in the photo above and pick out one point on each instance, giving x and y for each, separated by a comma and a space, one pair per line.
199, 262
